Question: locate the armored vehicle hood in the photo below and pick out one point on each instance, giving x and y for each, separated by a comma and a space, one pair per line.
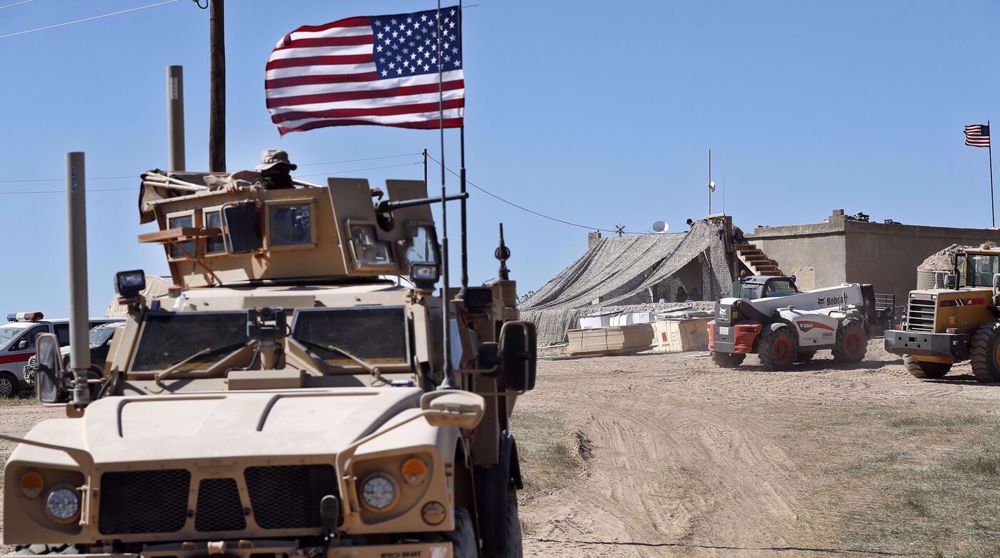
218, 426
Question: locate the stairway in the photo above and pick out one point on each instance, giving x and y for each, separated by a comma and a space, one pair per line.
756, 260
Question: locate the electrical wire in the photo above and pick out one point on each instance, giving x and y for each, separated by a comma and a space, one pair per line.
532, 211
135, 176
91, 18
31, 192
16, 4
357, 160
26, 180
363, 169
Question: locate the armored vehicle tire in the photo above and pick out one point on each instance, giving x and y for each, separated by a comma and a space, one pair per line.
852, 343
984, 353
726, 360
512, 527
463, 538
778, 349
925, 370
40, 549
805, 356
9, 388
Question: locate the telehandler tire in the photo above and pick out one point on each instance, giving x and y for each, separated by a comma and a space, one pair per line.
984, 352
45, 549
778, 349
852, 343
463, 538
925, 370
726, 360
805, 356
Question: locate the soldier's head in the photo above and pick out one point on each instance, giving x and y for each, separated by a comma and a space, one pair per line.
273, 161
275, 167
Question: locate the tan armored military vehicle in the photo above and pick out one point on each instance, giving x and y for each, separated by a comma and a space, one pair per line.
290, 395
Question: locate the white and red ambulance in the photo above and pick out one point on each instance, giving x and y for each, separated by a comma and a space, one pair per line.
17, 345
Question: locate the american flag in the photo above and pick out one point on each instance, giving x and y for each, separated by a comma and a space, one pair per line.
977, 135
379, 70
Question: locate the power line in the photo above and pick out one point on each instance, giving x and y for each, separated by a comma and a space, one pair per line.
26, 180
357, 160
91, 18
16, 4
135, 176
522, 208
363, 169
32, 192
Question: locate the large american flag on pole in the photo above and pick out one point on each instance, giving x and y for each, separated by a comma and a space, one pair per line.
977, 135
380, 70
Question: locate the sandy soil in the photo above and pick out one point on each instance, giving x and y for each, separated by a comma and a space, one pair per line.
667, 455
680, 458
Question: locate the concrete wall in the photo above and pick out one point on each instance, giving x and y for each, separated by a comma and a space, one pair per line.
844, 250
815, 254
887, 255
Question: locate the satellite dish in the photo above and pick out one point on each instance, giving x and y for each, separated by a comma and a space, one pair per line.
660, 227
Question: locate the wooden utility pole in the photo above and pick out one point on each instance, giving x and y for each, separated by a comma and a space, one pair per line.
217, 110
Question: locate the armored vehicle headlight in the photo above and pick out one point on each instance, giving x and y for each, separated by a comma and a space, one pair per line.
62, 504
379, 492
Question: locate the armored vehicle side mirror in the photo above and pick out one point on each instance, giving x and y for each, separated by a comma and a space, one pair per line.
518, 355
488, 358
241, 228
49, 375
454, 408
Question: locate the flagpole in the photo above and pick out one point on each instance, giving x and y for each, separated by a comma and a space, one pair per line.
709, 181
447, 382
462, 186
989, 148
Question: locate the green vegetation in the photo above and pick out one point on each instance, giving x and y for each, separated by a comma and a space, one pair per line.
26, 399
933, 481
550, 459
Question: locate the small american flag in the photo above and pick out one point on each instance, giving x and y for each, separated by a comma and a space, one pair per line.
380, 70
977, 135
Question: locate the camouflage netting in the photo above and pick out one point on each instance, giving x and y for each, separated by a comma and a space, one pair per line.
616, 274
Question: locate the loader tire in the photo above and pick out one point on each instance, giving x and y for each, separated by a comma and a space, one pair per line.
778, 349
727, 360
984, 353
925, 370
805, 356
852, 343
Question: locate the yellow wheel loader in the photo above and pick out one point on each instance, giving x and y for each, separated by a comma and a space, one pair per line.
955, 321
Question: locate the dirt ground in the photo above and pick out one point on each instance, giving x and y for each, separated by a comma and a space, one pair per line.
667, 455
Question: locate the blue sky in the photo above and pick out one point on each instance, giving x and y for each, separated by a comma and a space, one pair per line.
598, 114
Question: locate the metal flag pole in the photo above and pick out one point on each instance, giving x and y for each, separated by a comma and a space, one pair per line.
462, 186
989, 148
447, 383
709, 181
